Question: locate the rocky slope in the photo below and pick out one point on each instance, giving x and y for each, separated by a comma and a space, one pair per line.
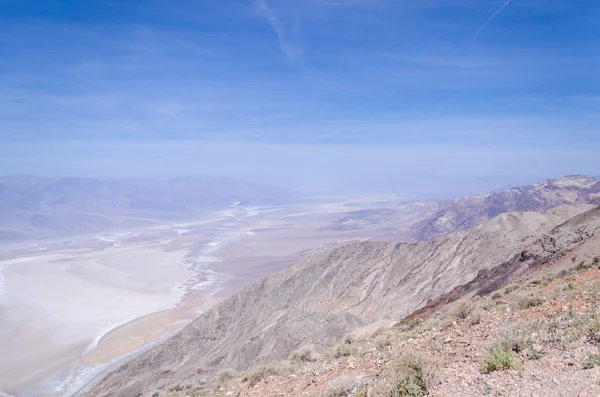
467, 212
536, 335
321, 298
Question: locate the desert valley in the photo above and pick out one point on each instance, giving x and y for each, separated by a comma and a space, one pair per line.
75, 308
307, 198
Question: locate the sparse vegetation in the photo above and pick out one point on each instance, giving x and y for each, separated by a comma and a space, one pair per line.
258, 374
463, 310
412, 377
342, 350
583, 265
535, 356
383, 340
189, 391
500, 358
302, 356
410, 323
497, 296
516, 338
592, 361
593, 332
510, 288
529, 301
343, 386
569, 287
223, 377
475, 317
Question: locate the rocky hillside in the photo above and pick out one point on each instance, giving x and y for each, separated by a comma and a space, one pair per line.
317, 301
467, 212
536, 336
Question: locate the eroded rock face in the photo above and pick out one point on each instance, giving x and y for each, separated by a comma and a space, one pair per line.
467, 212
319, 299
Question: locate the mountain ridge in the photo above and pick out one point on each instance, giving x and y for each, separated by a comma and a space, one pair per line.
469, 211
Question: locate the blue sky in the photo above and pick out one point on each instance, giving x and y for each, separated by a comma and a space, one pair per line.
312, 94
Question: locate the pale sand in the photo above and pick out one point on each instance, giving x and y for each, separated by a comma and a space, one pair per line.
56, 305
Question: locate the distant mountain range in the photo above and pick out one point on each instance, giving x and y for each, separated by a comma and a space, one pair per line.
31, 206
467, 212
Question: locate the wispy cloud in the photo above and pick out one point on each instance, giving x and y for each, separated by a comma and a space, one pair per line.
291, 50
490, 19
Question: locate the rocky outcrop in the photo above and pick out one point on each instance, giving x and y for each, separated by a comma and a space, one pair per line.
467, 212
319, 299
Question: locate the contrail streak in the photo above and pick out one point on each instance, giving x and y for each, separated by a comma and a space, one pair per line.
482, 27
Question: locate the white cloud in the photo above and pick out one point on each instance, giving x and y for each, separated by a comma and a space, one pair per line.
291, 50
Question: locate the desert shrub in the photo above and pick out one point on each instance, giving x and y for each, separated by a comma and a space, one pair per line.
592, 361
596, 261
223, 377
342, 350
348, 339
412, 377
475, 317
593, 332
510, 288
529, 301
410, 323
583, 266
383, 340
255, 375
497, 296
463, 310
302, 356
515, 339
344, 385
518, 337
535, 356
499, 358
190, 391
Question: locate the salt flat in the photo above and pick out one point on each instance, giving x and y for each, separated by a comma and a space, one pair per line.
72, 307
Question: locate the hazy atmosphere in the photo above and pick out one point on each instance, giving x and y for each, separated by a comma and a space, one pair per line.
299, 198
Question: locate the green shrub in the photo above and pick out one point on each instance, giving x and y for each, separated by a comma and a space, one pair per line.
500, 358
412, 377
592, 361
